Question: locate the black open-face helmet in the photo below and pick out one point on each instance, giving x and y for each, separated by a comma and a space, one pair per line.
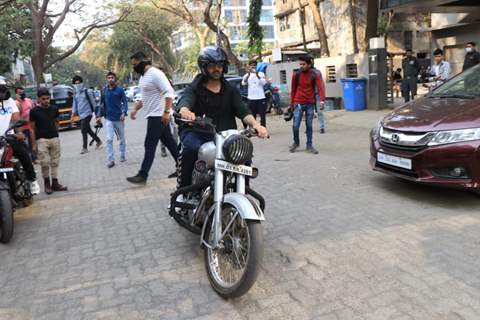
212, 54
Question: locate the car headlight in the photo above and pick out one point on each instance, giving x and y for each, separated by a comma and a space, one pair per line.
446, 137
374, 133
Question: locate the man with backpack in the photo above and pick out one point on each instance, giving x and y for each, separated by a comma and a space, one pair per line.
303, 100
114, 107
83, 106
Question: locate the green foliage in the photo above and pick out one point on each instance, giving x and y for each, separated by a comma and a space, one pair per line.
64, 70
187, 60
145, 22
15, 36
383, 24
255, 31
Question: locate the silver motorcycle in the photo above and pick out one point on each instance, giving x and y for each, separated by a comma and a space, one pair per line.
222, 208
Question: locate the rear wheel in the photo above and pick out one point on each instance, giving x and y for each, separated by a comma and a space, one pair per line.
6, 217
233, 267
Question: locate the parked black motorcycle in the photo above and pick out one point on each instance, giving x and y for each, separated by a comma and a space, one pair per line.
15, 190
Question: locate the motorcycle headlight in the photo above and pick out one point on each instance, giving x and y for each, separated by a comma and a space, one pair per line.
446, 137
238, 149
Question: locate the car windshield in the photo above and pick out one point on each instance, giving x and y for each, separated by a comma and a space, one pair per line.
467, 84
61, 92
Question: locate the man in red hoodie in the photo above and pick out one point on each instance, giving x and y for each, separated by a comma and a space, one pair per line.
303, 100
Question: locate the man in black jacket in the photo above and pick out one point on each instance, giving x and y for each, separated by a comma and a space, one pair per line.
209, 95
472, 58
411, 68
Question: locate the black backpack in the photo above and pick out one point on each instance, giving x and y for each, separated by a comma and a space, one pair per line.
313, 74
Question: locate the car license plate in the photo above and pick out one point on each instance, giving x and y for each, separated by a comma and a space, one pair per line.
60, 101
394, 161
227, 166
3, 170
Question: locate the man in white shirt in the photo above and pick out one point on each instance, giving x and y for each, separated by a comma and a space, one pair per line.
9, 113
157, 100
441, 68
256, 94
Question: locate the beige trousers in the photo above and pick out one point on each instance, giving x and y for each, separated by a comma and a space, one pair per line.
49, 156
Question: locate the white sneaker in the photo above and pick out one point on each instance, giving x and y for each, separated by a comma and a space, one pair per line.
34, 187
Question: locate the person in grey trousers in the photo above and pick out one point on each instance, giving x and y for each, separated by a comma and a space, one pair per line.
411, 68
84, 106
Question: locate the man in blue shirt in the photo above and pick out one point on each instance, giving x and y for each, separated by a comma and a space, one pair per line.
84, 106
114, 107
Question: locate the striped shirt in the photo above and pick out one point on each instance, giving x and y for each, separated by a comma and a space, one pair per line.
154, 88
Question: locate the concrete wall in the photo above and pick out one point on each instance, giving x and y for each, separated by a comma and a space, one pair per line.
333, 89
452, 41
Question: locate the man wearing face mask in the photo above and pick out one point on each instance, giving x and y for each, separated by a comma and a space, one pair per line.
84, 106
472, 57
114, 107
24, 105
9, 113
157, 100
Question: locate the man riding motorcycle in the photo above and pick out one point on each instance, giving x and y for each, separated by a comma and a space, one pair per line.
9, 113
209, 95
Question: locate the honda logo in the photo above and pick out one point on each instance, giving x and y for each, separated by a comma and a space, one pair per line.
395, 138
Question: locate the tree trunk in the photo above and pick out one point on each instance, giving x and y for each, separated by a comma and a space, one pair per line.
165, 65
223, 38
322, 36
372, 21
202, 36
38, 50
353, 22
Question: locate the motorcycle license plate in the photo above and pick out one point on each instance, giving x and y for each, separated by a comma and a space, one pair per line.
227, 166
2, 170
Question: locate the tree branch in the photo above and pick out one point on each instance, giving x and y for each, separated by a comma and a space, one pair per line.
82, 34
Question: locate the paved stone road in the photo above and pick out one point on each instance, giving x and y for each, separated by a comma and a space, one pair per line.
342, 242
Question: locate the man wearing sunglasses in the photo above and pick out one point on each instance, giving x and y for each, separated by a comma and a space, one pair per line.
209, 95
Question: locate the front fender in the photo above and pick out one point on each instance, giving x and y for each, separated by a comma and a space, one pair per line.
247, 208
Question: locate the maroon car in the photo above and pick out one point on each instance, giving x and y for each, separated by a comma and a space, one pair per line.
434, 139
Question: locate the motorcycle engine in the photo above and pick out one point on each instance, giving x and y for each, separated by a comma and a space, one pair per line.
201, 173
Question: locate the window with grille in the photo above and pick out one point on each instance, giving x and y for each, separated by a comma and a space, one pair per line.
352, 70
283, 76
331, 74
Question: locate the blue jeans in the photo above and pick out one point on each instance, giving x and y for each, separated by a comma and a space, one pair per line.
119, 128
309, 109
156, 131
321, 119
190, 143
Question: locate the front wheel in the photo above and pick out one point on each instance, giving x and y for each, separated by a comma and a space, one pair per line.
6, 217
233, 267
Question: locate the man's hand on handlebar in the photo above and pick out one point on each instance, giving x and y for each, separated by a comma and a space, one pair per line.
187, 114
262, 132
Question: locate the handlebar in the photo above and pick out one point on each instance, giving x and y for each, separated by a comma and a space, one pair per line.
206, 123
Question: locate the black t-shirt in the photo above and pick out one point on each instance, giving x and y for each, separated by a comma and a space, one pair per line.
221, 107
45, 122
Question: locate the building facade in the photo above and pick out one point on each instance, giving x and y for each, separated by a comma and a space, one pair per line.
235, 14
296, 26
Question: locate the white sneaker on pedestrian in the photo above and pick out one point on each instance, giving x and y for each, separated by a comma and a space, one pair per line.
34, 187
